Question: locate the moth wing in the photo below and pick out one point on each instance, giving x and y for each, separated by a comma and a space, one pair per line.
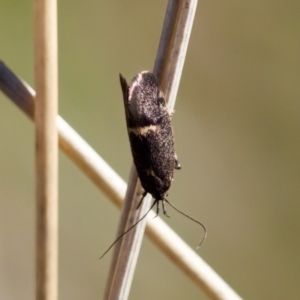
125, 89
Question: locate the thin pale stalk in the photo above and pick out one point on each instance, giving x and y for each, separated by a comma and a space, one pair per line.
111, 184
168, 68
46, 150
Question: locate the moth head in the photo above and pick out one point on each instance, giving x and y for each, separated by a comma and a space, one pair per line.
145, 99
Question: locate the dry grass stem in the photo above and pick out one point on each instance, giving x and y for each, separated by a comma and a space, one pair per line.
168, 67
46, 150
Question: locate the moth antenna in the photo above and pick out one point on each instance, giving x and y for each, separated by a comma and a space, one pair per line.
142, 218
205, 231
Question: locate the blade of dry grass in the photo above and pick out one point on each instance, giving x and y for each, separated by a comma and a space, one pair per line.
168, 68
46, 149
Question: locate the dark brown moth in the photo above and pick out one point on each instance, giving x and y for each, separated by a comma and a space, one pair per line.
151, 140
150, 135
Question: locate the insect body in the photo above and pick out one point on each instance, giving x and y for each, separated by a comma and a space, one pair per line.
150, 134
151, 140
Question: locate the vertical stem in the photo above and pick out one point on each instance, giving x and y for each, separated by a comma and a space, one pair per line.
46, 149
168, 67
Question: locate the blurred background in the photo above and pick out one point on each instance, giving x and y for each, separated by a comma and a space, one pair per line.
237, 134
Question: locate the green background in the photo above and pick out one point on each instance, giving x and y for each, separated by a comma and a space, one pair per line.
237, 134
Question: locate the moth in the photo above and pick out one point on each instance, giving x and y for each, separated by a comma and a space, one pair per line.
151, 141
150, 134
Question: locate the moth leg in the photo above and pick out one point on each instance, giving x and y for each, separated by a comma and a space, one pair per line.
144, 195
164, 208
157, 208
177, 163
